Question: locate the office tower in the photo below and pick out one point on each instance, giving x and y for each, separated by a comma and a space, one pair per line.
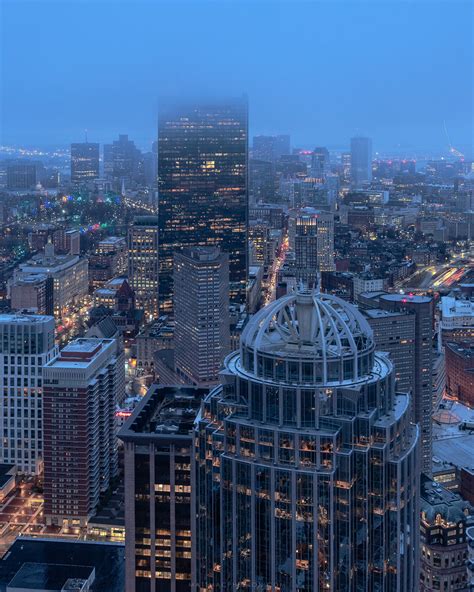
84, 162
312, 240
143, 263
395, 333
110, 259
67, 274
262, 181
346, 166
201, 310
460, 371
67, 242
21, 176
320, 165
202, 183
443, 540
123, 162
361, 161
305, 466
270, 148
26, 344
81, 387
108, 161
158, 444
422, 395
269, 214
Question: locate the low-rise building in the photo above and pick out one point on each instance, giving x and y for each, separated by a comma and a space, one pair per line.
460, 371
68, 274
444, 519
32, 292
457, 319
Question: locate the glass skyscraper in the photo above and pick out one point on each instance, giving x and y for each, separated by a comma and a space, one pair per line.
361, 161
202, 183
306, 463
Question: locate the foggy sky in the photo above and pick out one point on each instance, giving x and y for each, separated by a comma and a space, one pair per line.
319, 70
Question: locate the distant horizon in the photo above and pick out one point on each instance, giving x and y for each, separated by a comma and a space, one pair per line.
322, 71
408, 152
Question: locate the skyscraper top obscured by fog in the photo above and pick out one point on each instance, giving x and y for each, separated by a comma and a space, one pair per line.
202, 182
361, 161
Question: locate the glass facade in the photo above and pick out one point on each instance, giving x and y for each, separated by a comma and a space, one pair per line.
305, 463
202, 183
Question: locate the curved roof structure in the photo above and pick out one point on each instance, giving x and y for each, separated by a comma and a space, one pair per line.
309, 323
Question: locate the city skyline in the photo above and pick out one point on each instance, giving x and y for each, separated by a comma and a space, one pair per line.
390, 98
236, 295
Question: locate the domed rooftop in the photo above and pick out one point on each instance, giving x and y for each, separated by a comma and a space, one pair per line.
312, 326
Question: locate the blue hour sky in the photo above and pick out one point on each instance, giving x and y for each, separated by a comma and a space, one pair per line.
320, 70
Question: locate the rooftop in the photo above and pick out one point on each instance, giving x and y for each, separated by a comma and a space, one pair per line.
435, 499
7, 472
108, 560
377, 313
80, 353
24, 319
164, 411
464, 349
405, 298
456, 307
47, 577
309, 324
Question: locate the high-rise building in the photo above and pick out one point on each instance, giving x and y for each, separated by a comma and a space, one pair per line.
202, 183
21, 175
305, 467
261, 181
108, 261
67, 242
320, 165
81, 387
123, 162
157, 454
270, 148
394, 333
422, 384
26, 344
361, 161
443, 541
346, 166
201, 309
143, 263
311, 234
84, 162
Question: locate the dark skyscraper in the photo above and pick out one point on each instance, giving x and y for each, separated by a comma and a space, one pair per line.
305, 467
84, 162
158, 447
202, 183
361, 161
320, 165
123, 162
